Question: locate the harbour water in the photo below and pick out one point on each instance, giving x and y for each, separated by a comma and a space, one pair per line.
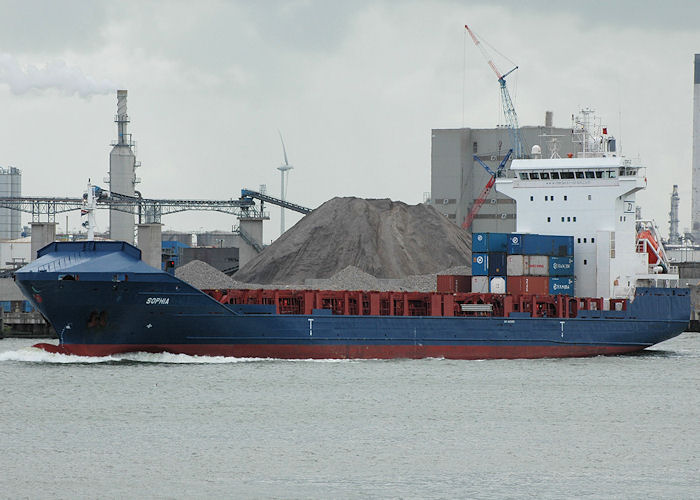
160, 425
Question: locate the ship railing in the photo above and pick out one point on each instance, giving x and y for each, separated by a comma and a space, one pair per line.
477, 307
56, 263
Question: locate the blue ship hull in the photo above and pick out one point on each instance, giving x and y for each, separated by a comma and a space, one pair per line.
102, 299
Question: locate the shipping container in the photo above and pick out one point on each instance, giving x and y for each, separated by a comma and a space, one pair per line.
533, 285
480, 264
544, 244
517, 265
27, 306
515, 244
489, 242
561, 286
454, 283
497, 263
561, 266
563, 246
538, 265
497, 284
6, 305
480, 284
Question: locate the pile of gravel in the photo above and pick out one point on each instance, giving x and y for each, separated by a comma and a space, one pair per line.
205, 277
382, 238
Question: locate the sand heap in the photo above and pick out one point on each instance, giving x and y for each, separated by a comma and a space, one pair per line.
382, 238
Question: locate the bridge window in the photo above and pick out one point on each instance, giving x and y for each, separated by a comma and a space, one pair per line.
532, 198
545, 175
579, 175
592, 240
567, 175
599, 174
574, 219
523, 176
590, 174
555, 175
549, 219
534, 176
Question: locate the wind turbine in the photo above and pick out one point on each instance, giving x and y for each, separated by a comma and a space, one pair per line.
284, 169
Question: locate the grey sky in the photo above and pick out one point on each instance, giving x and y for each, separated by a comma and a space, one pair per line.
354, 87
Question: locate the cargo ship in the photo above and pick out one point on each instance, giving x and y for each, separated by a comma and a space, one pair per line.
582, 276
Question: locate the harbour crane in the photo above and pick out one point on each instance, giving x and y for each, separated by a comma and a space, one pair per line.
509, 113
487, 189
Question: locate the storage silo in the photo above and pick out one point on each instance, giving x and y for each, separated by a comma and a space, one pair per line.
10, 186
122, 174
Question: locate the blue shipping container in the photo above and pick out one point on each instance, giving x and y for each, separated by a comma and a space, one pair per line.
515, 244
489, 242
6, 306
563, 246
480, 264
561, 286
561, 266
545, 244
480, 242
497, 263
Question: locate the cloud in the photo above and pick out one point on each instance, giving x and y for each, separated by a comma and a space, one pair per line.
55, 74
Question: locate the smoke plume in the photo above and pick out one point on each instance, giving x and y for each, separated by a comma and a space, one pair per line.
70, 80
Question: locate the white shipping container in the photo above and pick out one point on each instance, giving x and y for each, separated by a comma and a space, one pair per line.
498, 285
517, 265
480, 284
539, 265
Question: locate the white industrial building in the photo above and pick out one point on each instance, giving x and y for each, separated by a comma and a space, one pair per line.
122, 173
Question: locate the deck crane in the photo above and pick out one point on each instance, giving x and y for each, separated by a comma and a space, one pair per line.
487, 189
508, 109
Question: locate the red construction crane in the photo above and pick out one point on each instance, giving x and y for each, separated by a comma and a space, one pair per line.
487, 189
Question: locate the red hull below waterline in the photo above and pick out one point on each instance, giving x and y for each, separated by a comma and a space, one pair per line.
290, 351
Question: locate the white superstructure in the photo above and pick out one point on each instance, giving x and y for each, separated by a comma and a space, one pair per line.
592, 197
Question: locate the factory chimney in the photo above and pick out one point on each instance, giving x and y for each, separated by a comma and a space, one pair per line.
548, 119
674, 238
122, 173
696, 151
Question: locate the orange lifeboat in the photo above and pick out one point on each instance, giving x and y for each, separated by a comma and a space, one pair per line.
651, 247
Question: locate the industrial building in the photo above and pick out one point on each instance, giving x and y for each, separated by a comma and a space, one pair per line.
10, 186
122, 173
457, 179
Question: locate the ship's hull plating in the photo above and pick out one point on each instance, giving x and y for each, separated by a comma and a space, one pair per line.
154, 313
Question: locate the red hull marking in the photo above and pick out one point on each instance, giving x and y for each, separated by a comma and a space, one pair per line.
347, 351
